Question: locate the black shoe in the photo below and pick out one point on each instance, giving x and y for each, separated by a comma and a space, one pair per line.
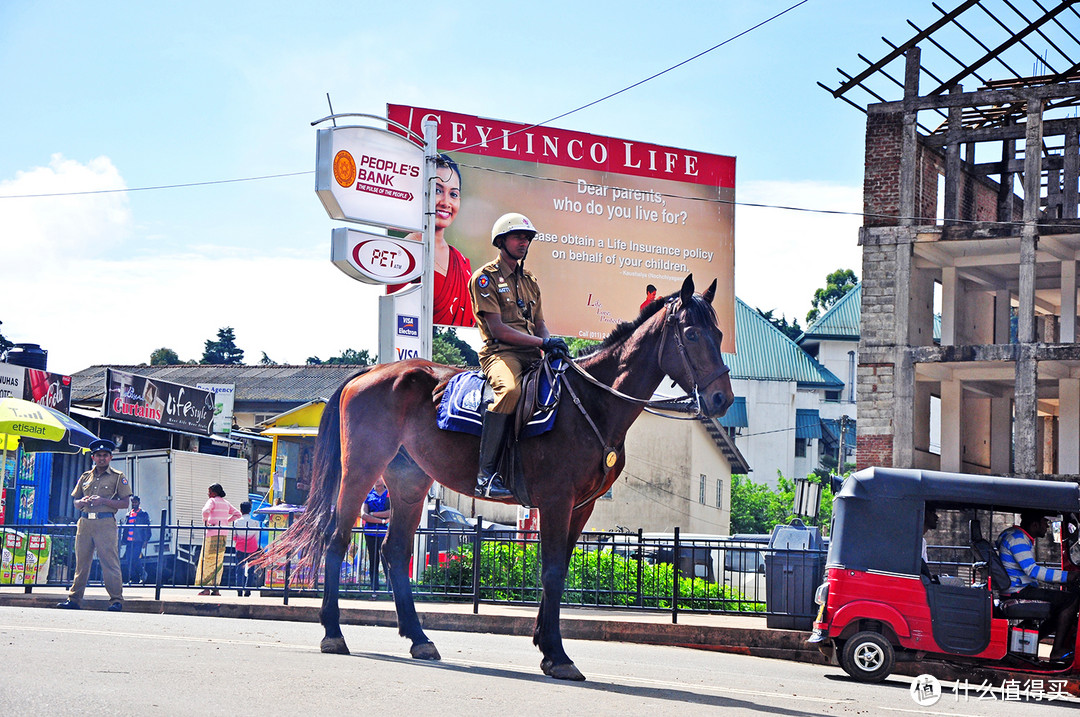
493, 433
69, 604
116, 607
493, 489
247, 593
240, 593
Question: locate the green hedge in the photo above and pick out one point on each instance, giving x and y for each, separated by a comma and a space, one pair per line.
511, 572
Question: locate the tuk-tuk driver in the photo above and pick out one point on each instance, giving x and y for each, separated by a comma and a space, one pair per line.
1016, 547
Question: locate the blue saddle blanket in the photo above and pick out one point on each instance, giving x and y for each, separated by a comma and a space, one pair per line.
459, 409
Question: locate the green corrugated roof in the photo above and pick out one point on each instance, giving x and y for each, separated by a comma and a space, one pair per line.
841, 321
764, 353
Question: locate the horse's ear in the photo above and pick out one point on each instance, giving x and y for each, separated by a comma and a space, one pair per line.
710, 293
686, 294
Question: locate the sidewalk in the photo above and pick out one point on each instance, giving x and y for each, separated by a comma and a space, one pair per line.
722, 633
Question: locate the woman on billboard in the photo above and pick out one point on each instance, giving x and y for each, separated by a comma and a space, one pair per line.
452, 306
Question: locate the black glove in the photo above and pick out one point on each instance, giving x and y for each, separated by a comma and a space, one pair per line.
556, 347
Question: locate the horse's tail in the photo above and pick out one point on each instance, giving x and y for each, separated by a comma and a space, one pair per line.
304, 543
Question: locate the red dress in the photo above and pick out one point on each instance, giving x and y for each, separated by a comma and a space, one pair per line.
453, 307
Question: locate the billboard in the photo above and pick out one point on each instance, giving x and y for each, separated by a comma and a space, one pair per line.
224, 398
614, 216
140, 399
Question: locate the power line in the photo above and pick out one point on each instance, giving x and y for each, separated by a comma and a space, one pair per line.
647, 79
160, 186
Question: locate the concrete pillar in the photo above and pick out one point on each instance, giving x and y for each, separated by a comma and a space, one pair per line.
949, 287
951, 412
1002, 315
1026, 451
1000, 436
1069, 426
1068, 302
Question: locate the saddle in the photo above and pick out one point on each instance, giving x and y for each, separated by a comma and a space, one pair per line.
464, 397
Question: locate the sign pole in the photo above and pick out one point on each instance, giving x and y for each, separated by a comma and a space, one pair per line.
427, 284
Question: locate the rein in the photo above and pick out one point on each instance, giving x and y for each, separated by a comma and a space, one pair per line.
690, 404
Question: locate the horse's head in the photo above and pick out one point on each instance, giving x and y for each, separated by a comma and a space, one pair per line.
690, 349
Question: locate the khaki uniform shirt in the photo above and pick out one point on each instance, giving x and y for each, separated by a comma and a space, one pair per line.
112, 484
496, 289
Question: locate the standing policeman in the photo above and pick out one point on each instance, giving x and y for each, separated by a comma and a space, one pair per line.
98, 494
506, 302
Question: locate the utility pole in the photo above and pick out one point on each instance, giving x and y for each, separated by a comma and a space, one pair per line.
842, 449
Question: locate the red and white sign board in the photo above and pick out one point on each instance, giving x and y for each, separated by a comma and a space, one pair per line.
376, 258
369, 175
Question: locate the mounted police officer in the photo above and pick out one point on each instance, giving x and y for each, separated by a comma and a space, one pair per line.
98, 494
509, 314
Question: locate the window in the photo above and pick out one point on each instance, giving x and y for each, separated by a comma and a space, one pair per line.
800, 447
832, 396
701, 491
719, 493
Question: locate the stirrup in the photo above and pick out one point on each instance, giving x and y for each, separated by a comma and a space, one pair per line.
492, 489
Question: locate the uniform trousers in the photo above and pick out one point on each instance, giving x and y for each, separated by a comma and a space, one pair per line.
97, 534
503, 372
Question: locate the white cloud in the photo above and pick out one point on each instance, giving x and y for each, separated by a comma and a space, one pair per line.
69, 284
783, 256
59, 230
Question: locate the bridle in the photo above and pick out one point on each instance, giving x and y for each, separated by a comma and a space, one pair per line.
689, 404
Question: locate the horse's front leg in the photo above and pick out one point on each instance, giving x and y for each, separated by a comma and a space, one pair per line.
398, 549
330, 615
558, 535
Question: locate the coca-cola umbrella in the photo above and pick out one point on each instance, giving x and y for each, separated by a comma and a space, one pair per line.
39, 429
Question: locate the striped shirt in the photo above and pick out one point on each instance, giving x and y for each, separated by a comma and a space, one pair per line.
1015, 547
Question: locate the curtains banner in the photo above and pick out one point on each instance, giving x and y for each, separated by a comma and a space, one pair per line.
131, 397
614, 216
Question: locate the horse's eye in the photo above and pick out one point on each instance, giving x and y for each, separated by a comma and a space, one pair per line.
691, 334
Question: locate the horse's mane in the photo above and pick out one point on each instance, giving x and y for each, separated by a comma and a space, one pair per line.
698, 308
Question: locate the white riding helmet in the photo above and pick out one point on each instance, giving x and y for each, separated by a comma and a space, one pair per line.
512, 222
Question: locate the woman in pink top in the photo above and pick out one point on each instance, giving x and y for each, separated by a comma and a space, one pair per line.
215, 513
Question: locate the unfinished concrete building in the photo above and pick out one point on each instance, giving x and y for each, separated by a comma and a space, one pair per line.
970, 197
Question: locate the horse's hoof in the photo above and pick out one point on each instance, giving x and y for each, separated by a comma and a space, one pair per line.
566, 671
334, 646
425, 651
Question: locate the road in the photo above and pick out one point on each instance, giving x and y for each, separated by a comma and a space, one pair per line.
90, 662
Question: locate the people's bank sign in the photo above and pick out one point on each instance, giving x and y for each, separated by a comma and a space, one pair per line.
613, 215
371, 176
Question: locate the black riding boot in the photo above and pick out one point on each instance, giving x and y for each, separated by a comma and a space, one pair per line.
488, 482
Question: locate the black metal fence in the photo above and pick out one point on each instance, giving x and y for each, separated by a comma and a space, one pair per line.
479, 565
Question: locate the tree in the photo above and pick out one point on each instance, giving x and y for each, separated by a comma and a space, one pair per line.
267, 361
756, 508
442, 351
837, 284
580, 347
447, 336
223, 350
164, 357
348, 356
4, 344
792, 330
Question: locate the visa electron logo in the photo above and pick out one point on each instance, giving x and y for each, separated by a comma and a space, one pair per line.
408, 326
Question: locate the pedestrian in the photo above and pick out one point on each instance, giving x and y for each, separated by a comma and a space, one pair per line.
376, 514
650, 296
246, 542
136, 536
506, 301
98, 494
216, 512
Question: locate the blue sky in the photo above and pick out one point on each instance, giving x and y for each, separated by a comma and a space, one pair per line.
134, 94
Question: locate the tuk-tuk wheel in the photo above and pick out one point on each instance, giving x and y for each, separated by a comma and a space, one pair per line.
868, 657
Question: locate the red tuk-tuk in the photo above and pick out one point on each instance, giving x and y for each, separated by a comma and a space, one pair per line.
879, 605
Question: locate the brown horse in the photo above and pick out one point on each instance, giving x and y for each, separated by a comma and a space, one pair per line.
382, 421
